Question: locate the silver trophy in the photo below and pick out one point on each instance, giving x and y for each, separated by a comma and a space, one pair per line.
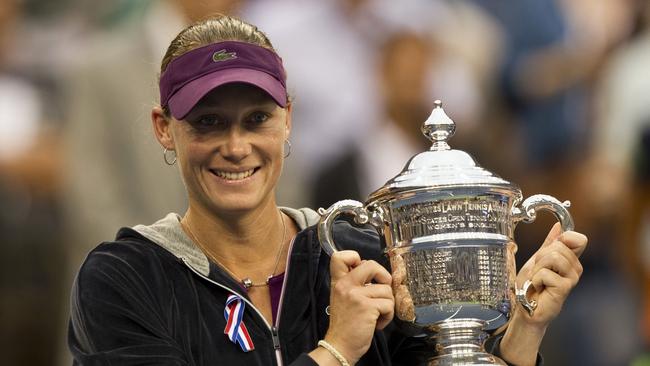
448, 225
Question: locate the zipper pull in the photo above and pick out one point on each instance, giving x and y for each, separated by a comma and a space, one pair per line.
276, 338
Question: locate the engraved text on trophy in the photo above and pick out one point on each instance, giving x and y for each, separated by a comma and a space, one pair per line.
488, 214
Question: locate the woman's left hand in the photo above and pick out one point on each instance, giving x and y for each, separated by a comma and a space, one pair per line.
554, 271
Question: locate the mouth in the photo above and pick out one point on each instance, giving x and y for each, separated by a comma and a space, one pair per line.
234, 176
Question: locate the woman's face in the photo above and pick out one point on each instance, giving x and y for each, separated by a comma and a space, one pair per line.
230, 148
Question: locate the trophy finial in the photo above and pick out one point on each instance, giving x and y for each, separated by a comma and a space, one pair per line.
439, 127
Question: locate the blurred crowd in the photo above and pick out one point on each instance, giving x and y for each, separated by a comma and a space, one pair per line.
549, 94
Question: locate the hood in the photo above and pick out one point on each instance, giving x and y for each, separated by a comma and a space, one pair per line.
168, 233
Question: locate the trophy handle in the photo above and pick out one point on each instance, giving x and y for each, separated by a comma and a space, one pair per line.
352, 207
528, 213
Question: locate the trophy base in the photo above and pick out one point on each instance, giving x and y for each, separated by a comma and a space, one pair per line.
459, 342
474, 359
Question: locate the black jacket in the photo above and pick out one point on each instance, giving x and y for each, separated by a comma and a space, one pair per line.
136, 303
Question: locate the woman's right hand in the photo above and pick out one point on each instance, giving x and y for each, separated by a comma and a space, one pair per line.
361, 301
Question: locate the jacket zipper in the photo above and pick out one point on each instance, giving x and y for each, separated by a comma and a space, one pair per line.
276, 345
272, 329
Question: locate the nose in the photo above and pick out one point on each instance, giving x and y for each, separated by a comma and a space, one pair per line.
237, 146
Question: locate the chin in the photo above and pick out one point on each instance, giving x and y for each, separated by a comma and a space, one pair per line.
236, 205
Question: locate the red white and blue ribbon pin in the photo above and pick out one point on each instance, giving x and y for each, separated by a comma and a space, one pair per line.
235, 327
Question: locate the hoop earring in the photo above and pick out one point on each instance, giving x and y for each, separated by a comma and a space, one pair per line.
287, 149
173, 161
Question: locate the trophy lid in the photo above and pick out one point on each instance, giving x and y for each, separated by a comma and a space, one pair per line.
441, 166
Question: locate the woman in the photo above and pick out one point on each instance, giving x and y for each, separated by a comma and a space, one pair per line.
236, 280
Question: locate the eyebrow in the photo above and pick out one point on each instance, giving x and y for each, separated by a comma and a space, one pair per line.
216, 108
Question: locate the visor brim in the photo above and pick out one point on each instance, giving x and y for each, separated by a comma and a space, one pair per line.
181, 103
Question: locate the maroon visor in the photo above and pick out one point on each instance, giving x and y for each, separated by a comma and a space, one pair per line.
191, 76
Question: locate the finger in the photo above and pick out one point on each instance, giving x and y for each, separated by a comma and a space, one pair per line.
545, 278
369, 271
558, 248
384, 306
386, 310
558, 263
377, 291
575, 241
527, 268
556, 231
342, 262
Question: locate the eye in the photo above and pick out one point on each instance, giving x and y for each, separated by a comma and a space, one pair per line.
257, 118
209, 121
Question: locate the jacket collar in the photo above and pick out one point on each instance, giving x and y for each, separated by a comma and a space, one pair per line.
168, 233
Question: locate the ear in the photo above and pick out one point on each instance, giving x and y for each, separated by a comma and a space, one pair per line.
162, 128
287, 126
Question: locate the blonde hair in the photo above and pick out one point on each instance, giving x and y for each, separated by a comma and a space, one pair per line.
212, 30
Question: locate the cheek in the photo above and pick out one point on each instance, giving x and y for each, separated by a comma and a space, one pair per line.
193, 155
191, 158
274, 155
277, 149
195, 151
271, 143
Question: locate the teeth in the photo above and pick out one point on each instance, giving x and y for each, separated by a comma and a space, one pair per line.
234, 175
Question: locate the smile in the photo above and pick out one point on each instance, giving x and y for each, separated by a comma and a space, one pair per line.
232, 176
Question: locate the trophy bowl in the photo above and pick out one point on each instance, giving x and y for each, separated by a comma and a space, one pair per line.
448, 225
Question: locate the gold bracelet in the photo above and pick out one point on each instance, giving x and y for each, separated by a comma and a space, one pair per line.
334, 352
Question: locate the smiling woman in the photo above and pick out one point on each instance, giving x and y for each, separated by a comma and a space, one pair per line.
229, 148
211, 286
236, 280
